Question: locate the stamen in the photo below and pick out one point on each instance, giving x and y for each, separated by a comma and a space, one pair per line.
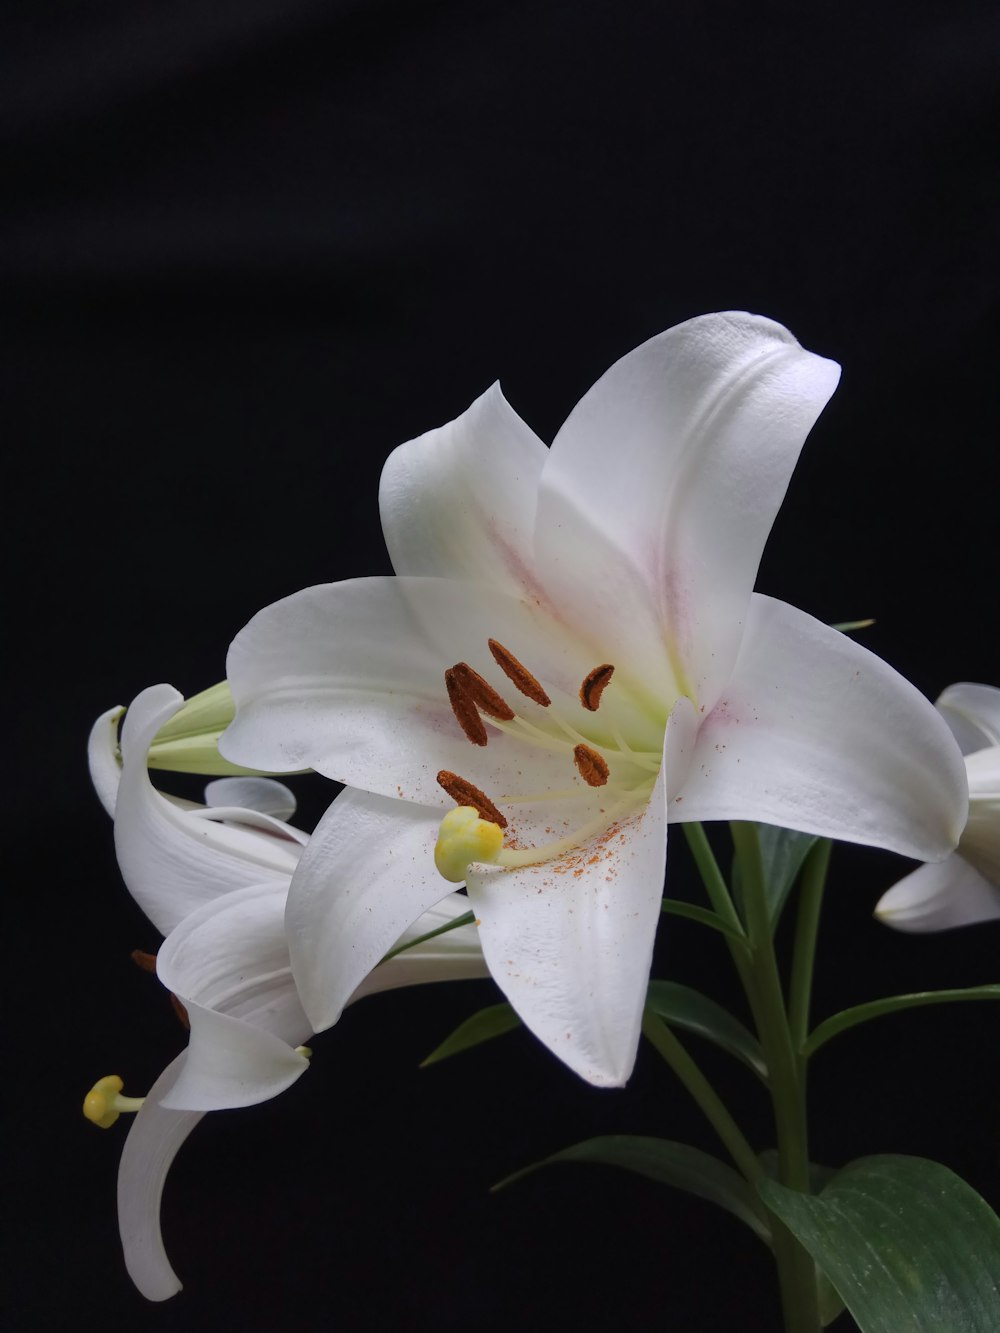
104, 1103
463, 838
464, 793
518, 674
592, 766
147, 962
482, 693
464, 708
594, 685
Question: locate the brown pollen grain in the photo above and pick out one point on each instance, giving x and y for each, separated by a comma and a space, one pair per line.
463, 792
594, 685
518, 674
593, 767
464, 708
482, 693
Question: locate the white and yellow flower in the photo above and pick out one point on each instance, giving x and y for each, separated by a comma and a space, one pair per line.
573, 655
964, 888
214, 879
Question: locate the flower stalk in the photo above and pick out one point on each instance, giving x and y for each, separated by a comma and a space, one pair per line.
796, 1271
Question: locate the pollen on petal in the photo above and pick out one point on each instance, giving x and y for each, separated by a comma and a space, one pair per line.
592, 766
518, 674
463, 792
594, 684
482, 693
464, 708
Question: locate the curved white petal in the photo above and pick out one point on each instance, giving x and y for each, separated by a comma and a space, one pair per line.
102, 758
814, 732
680, 456
228, 963
455, 956
264, 795
940, 896
366, 876
973, 713
460, 501
570, 942
980, 842
153, 1142
348, 678
174, 859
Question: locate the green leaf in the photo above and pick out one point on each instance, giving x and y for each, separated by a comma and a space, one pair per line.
687, 1008
488, 1023
668, 1163
861, 1013
466, 919
907, 1244
830, 1304
782, 852
702, 915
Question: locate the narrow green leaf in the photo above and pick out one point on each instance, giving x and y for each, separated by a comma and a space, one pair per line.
466, 919
906, 1243
488, 1023
846, 626
689, 1009
782, 852
702, 915
669, 1163
861, 1013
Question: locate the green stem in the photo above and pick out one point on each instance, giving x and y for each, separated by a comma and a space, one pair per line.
811, 885
711, 1104
712, 877
796, 1271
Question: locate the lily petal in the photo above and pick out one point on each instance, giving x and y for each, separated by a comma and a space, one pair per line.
367, 874
102, 758
941, 896
679, 456
154, 1139
980, 844
264, 795
570, 942
228, 963
454, 956
460, 501
172, 859
814, 732
973, 713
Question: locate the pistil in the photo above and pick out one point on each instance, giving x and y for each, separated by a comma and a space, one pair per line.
104, 1103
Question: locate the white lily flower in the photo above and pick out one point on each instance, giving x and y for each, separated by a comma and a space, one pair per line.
605, 587
964, 888
216, 878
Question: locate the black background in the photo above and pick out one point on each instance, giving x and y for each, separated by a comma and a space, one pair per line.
247, 248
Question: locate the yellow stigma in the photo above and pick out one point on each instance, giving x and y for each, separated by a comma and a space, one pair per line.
104, 1103
462, 838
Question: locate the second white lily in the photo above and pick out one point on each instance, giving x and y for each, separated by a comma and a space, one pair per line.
964, 888
216, 878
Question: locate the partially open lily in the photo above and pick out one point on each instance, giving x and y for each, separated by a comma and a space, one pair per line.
573, 654
216, 877
964, 888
